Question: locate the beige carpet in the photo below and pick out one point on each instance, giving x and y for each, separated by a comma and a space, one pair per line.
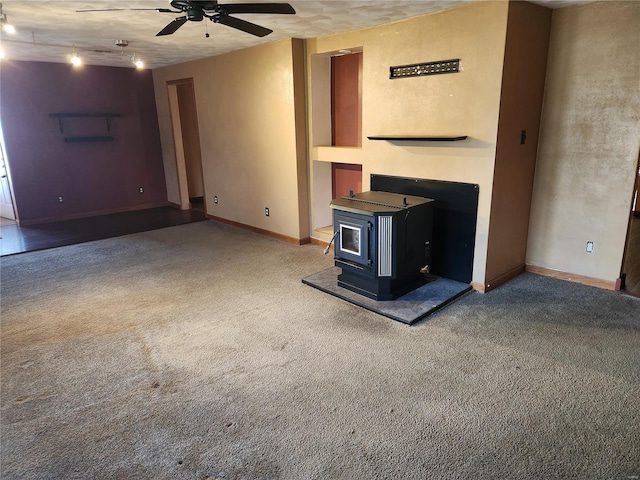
195, 352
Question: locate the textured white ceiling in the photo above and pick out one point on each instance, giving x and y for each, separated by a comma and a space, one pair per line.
48, 30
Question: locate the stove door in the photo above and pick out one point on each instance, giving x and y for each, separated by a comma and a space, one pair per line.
352, 242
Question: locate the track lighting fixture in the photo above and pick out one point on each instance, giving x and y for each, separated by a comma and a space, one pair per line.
6, 26
137, 62
134, 59
75, 60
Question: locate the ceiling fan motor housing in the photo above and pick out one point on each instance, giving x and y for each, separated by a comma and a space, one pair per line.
194, 14
195, 5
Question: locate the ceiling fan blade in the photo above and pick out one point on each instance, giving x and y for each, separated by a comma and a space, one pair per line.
233, 8
125, 10
243, 25
172, 26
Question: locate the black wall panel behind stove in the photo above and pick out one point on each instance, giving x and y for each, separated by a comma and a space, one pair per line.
454, 220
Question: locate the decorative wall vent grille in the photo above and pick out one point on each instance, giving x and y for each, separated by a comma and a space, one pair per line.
428, 68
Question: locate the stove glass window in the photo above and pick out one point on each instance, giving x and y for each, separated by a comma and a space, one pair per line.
350, 239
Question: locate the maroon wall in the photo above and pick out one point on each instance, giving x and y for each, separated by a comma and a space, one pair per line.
91, 177
344, 178
346, 100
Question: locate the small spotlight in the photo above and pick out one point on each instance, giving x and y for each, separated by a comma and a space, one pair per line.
136, 61
6, 26
75, 60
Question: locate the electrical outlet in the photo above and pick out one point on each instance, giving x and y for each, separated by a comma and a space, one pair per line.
141, 190
266, 212
60, 199
215, 199
589, 247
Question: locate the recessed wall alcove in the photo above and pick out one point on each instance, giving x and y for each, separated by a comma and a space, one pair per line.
336, 122
405, 121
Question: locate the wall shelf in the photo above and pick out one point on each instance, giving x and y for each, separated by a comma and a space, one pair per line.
104, 138
62, 116
405, 138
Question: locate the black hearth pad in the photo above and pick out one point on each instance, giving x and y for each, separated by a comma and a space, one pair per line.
407, 309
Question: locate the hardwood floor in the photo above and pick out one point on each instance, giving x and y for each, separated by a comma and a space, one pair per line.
15, 239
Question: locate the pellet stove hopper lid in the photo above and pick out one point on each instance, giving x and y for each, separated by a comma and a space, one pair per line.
374, 202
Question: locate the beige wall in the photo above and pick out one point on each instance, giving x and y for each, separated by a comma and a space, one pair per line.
250, 133
589, 140
464, 103
252, 128
523, 77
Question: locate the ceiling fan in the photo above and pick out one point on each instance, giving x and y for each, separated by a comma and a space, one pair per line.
198, 10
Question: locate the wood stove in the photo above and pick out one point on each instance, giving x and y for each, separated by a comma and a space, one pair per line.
382, 242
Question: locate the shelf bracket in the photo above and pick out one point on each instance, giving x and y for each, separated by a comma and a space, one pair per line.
61, 116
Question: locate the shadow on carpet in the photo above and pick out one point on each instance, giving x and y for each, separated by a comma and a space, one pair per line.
408, 309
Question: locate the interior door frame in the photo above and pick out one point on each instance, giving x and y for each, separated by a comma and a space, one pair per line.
7, 171
176, 129
620, 283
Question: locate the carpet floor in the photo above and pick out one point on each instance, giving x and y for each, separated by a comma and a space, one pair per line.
196, 352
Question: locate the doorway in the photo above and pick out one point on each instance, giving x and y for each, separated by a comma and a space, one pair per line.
186, 136
7, 210
631, 260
